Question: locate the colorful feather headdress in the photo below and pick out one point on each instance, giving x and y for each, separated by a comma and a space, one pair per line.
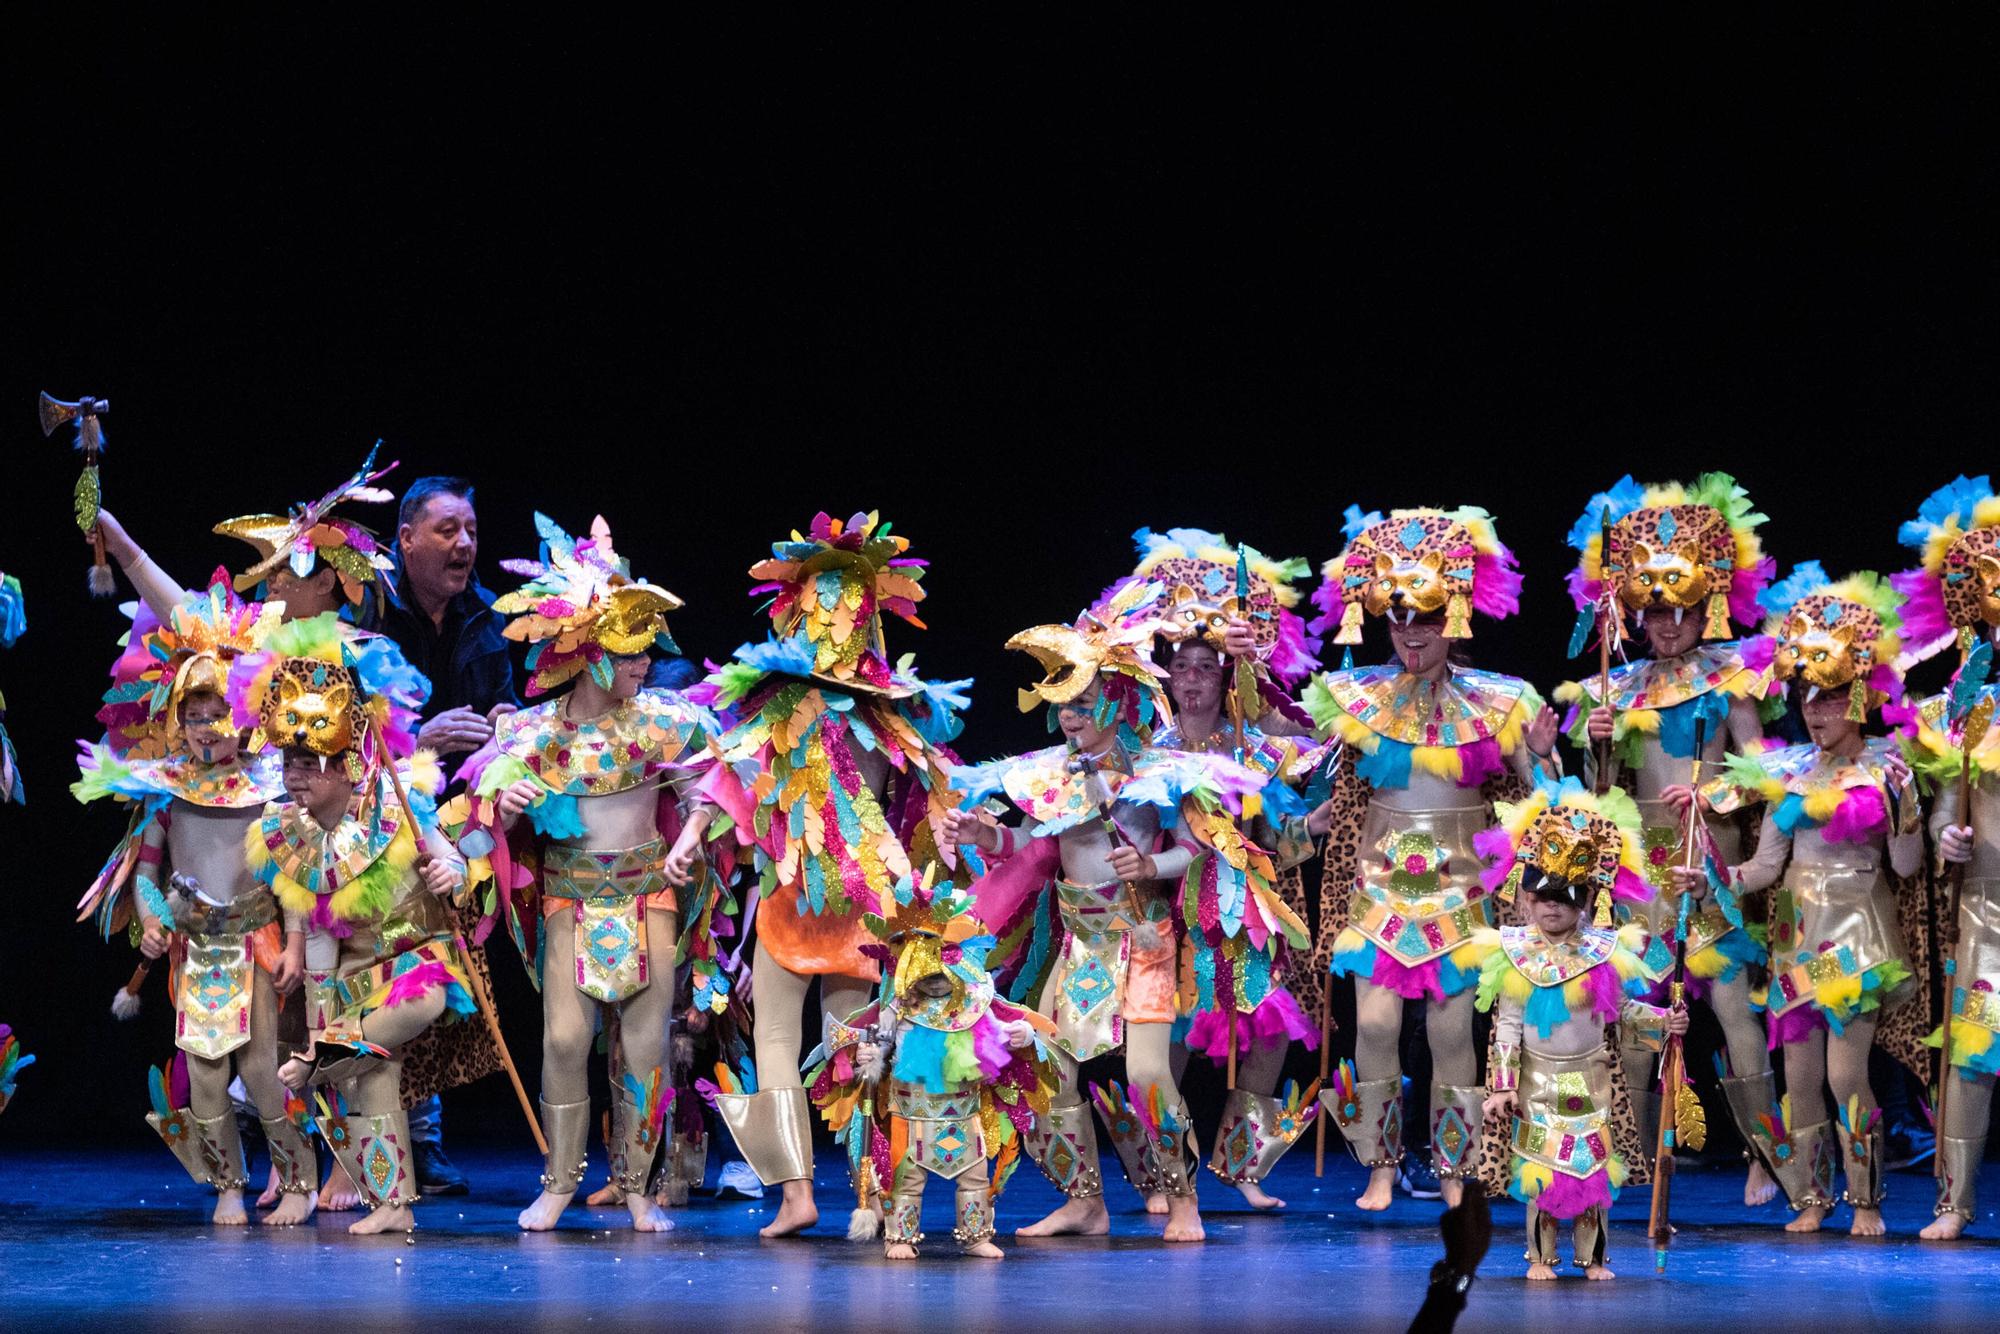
1955, 592
1416, 562
581, 607
1197, 570
926, 927
191, 654
321, 686
1564, 836
832, 585
1112, 643
1683, 547
310, 533
1832, 635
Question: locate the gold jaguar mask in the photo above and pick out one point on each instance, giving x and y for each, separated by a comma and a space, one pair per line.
311, 705
1414, 585
1665, 577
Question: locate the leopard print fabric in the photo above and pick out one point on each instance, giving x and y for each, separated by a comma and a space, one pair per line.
1903, 1029
448, 1055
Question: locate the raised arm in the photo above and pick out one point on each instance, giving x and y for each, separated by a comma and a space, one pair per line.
153, 584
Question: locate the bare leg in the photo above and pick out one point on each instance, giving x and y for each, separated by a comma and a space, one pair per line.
1148, 1062
378, 1092
1258, 1072
1805, 1080
1378, 1025
569, 1022
1541, 1246
1967, 1113
1847, 1073
1077, 1216
1743, 1034
257, 1063
642, 1041
1453, 1062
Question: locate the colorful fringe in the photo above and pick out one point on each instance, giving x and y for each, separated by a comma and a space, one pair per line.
415, 978
1560, 1195
1447, 975
1972, 1047
1598, 991
1278, 1022
1835, 1004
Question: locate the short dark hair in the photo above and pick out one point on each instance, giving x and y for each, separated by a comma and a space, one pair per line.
424, 488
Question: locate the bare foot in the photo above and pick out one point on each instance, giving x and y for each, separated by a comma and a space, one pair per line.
1184, 1220
338, 1195
543, 1213
1541, 1273
1381, 1192
1758, 1188
1599, 1272
1946, 1227
295, 1208
1086, 1217
271, 1192
899, 1250
605, 1196
229, 1210
984, 1250
796, 1213
389, 1218
647, 1215
1451, 1190
1156, 1203
1256, 1197
1808, 1220
1868, 1223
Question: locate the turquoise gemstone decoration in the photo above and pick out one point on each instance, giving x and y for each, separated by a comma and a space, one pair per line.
1668, 526
1412, 534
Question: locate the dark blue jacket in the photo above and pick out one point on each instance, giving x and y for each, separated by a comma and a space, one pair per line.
468, 662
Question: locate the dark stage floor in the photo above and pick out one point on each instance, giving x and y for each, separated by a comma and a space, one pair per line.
123, 1240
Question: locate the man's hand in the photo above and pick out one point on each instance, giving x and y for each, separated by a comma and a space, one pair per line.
440, 876
455, 731
963, 827
1238, 639
1599, 726
1321, 819
499, 711
1130, 864
1677, 1020
1542, 732
1504, 1102
154, 939
1955, 843
515, 798
1896, 770
291, 969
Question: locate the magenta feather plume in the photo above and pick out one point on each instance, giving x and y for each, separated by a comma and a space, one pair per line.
1496, 583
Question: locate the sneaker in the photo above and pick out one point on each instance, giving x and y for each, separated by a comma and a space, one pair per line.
1417, 1178
1906, 1146
737, 1181
435, 1173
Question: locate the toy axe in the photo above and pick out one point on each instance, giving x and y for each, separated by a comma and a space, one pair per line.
85, 412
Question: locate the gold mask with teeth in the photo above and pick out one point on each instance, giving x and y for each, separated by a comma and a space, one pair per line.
312, 705
1676, 557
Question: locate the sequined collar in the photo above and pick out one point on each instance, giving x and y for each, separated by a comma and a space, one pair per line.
321, 860
1807, 769
622, 749
1662, 683
1041, 784
1465, 708
1547, 964
248, 781
946, 1014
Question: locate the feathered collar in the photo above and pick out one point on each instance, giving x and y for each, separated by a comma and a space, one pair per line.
1043, 786
247, 781
1548, 963
1938, 756
621, 749
350, 873
1460, 728
1663, 683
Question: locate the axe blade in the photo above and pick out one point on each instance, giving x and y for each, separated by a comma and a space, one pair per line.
55, 412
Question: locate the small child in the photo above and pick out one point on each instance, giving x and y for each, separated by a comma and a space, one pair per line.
967, 1072
1559, 983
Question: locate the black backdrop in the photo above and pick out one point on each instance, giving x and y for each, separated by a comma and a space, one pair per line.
1238, 285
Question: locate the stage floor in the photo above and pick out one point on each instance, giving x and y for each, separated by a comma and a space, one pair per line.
123, 1239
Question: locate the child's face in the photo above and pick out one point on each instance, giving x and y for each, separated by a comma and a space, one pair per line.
311, 779
211, 735
935, 987
1552, 916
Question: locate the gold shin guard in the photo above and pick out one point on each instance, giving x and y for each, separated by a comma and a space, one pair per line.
1586, 1238
975, 1210
292, 1156
1064, 1145
567, 1126
1542, 1234
1255, 1133
1173, 1159
1456, 1114
635, 1144
771, 1131
1803, 1165
209, 1148
903, 1211
374, 1151
1128, 1136
1751, 1096
686, 1162
1861, 1156
1371, 1122
1961, 1175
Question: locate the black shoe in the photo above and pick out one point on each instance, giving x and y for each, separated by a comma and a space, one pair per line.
1906, 1146
435, 1174
1418, 1178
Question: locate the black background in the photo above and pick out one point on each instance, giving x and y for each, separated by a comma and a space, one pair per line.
1021, 290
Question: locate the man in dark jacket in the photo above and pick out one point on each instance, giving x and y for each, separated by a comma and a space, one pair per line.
442, 619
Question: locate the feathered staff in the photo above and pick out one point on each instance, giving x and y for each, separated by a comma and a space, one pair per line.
1681, 1118
85, 412
1968, 713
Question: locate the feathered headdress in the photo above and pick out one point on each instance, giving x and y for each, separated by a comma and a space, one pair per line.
1674, 545
1956, 590
191, 654
323, 687
582, 607
1112, 643
310, 533
1568, 842
1197, 570
1836, 634
928, 926
1417, 562
831, 587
